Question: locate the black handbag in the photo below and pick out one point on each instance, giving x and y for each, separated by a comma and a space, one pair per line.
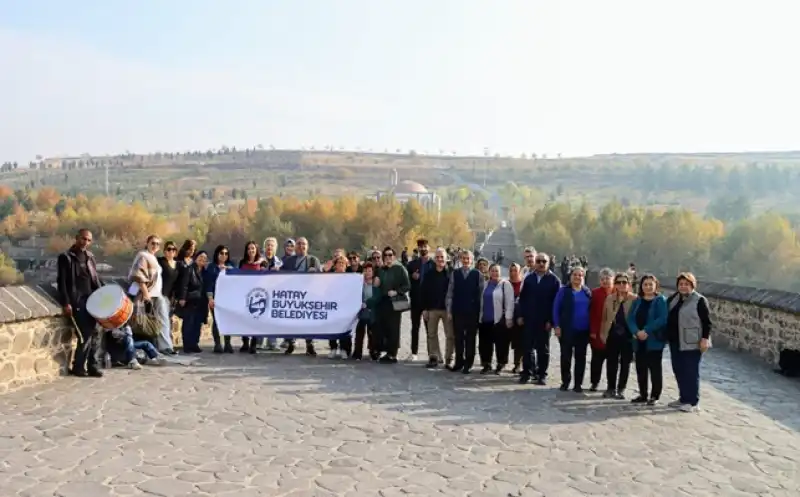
401, 303
365, 314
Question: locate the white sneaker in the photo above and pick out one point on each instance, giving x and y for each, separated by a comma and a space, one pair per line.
689, 408
134, 364
332, 354
157, 361
414, 357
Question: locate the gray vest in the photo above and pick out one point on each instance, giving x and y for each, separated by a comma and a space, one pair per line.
690, 329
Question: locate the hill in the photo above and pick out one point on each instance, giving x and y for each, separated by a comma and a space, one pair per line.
767, 180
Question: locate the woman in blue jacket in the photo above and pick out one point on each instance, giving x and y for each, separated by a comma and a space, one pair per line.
571, 326
219, 264
647, 322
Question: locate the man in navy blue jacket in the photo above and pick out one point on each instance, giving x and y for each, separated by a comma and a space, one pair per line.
463, 308
535, 313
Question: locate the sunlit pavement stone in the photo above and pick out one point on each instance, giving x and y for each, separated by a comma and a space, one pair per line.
273, 425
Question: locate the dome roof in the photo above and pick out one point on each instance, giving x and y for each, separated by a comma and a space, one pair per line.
407, 186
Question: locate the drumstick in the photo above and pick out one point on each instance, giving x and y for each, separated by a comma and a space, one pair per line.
76, 330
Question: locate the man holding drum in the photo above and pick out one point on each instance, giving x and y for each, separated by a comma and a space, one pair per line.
77, 279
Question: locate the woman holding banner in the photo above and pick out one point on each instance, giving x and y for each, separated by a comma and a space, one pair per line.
370, 296
340, 348
220, 263
252, 261
394, 285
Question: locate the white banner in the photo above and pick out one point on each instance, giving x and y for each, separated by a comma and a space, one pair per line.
285, 304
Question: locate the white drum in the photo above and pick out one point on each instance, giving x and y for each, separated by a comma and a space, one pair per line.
110, 306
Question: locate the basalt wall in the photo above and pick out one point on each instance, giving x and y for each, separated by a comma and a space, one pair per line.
37, 343
36, 340
752, 320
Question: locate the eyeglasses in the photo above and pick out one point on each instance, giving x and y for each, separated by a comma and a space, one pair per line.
224, 252
170, 249
388, 254
621, 282
541, 261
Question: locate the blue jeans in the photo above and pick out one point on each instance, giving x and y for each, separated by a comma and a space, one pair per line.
132, 346
686, 367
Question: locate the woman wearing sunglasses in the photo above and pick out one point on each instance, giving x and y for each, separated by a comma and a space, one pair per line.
616, 337
395, 285
169, 282
218, 265
647, 322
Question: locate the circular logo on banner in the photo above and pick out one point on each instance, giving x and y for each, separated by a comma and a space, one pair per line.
257, 302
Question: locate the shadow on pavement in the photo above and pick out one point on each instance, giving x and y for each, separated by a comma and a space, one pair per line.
454, 398
439, 395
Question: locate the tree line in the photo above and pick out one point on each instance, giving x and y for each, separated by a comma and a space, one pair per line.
121, 228
759, 251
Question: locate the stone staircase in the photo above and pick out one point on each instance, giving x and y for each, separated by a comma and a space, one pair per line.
504, 239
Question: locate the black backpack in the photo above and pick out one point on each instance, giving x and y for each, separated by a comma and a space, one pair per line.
789, 363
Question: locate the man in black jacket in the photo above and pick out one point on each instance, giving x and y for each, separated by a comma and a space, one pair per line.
433, 293
417, 269
77, 279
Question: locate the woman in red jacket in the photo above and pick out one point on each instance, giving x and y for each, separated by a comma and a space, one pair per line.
595, 324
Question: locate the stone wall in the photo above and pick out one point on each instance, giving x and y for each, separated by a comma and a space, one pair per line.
756, 321
753, 320
36, 341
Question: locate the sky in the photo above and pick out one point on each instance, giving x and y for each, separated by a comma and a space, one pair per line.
514, 76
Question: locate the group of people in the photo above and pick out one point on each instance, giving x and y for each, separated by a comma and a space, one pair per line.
480, 311
532, 304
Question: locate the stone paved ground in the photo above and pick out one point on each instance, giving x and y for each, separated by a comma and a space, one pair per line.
270, 425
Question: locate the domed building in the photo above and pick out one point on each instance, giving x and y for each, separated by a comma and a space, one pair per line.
409, 187
406, 190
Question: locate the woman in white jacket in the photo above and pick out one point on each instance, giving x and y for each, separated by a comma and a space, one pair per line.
495, 320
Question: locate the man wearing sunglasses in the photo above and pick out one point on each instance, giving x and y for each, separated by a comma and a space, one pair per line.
354, 261
536, 297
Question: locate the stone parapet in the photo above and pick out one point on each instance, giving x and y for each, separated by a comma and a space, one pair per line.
33, 351
754, 320
36, 341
